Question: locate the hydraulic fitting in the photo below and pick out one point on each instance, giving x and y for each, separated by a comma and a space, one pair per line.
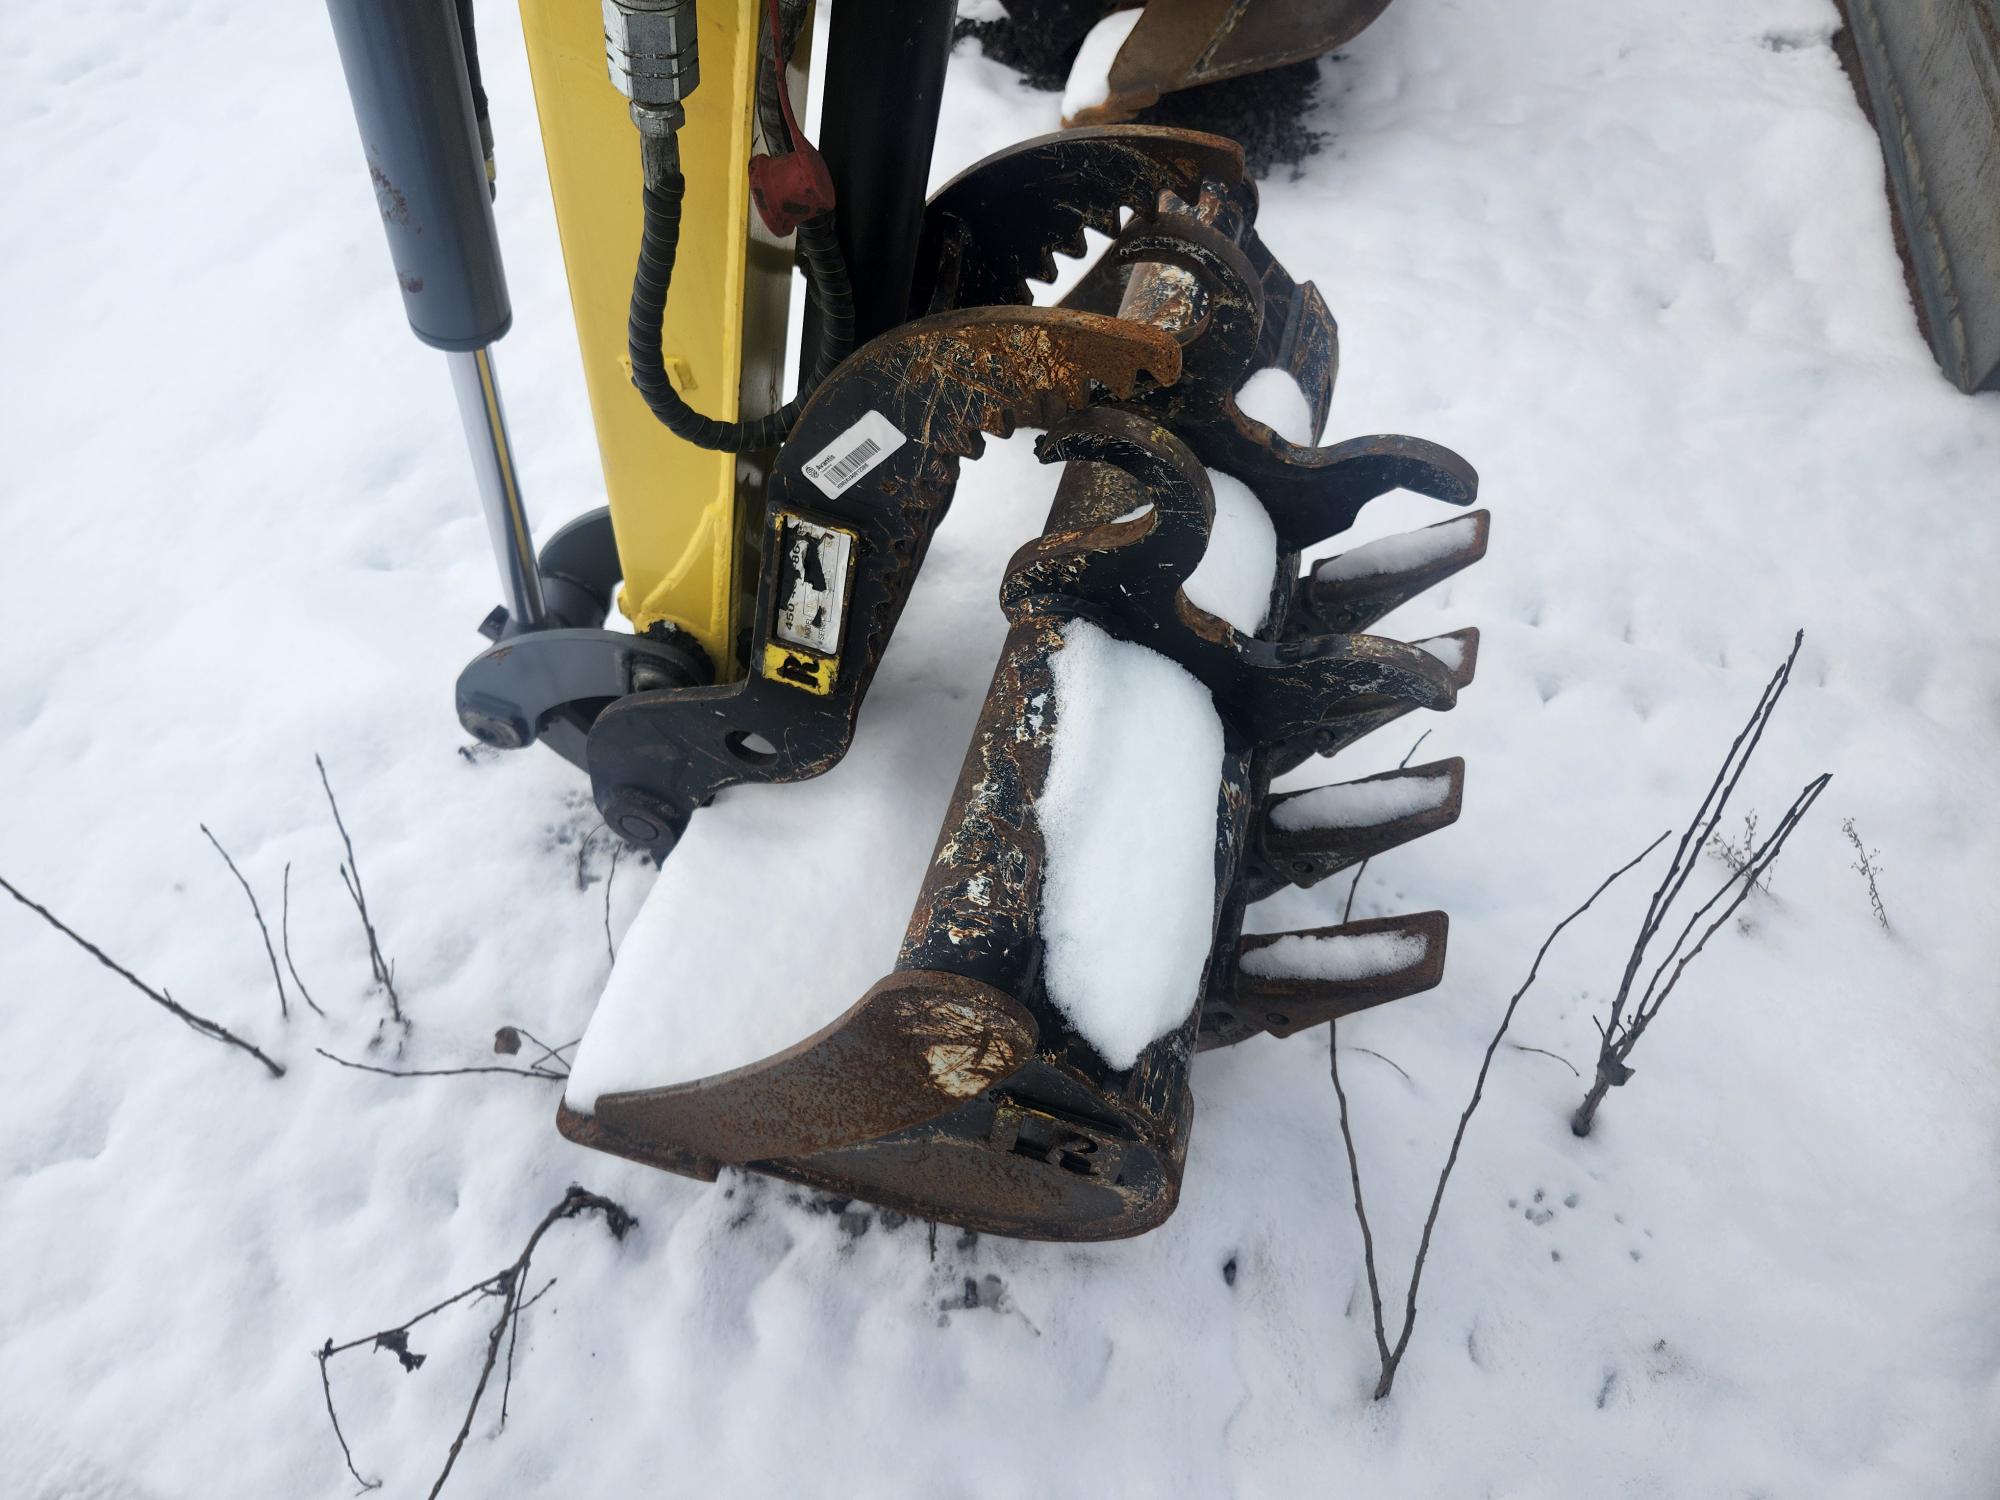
649, 46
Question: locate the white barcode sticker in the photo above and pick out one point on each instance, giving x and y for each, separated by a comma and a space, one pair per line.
843, 461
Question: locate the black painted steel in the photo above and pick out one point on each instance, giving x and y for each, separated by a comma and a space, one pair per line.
885, 65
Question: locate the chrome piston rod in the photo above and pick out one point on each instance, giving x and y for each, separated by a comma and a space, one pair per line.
485, 422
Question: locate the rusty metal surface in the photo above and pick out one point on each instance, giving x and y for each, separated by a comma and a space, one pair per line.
999, 224
1180, 43
1338, 604
956, 1089
916, 1046
1285, 1004
942, 382
979, 911
1305, 856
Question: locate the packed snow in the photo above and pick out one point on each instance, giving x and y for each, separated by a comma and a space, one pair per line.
1634, 262
1449, 649
1404, 552
1089, 82
1127, 818
1343, 955
696, 988
1362, 804
1273, 397
1234, 578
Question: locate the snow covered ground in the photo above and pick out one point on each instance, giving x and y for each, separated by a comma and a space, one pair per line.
1633, 262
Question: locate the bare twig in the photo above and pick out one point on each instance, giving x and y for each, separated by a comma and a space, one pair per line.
1392, 1356
285, 937
609, 876
1543, 1051
1382, 1350
350, 876
284, 1010
513, 1335
160, 998
1618, 1033
1379, 1057
1362, 869
548, 1054
326, 1387
505, 1284
583, 848
362, 1067
1865, 865
1612, 1068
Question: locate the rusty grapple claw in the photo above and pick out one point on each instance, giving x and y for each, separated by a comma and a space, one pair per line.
1083, 927
1178, 44
859, 488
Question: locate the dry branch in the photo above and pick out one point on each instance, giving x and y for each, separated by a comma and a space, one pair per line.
1544, 1052
350, 876
1618, 1033
284, 1010
160, 998
1617, 1040
505, 1284
285, 938
362, 1067
1392, 1356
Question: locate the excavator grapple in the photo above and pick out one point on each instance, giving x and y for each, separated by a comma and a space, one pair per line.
1022, 1065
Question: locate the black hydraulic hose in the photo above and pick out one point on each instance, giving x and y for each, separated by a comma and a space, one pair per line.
826, 280
468, 41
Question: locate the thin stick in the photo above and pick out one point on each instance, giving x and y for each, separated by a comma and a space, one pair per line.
1683, 863
1479, 1086
1381, 1058
1361, 1213
1611, 1066
1544, 1052
506, 1284
574, 1202
549, 1054
1616, 1033
285, 935
513, 1334
609, 876
1393, 1357
1360, 870
160, 998
284, 1010
384, 971
326, 1387
531, 1072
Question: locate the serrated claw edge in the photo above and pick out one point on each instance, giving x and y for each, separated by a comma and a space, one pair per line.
994, 370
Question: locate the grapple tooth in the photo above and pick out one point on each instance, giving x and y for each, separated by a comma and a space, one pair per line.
989, 230
1284, 982
1458, 650
1354, 589
1304, 837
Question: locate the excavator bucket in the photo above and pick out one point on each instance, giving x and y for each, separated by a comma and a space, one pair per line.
1137, 53
1016, 1056
1022, 1065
